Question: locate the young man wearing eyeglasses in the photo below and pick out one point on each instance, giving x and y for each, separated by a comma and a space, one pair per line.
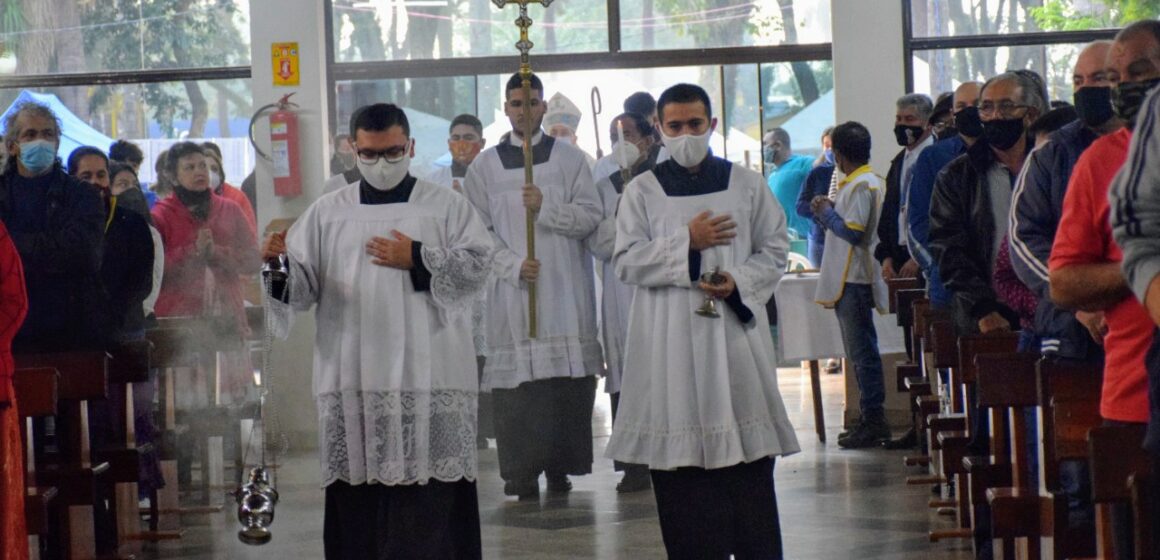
392, 264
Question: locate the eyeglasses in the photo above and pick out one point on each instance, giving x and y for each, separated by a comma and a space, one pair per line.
1004, 108
394, 154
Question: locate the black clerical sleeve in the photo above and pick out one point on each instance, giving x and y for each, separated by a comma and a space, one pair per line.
733, 300
694, 265
420, 276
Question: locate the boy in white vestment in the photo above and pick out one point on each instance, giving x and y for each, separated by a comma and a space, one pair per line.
543, 388
392, 265
851, 281
701, 405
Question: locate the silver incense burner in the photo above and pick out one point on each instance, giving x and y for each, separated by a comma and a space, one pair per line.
256, 500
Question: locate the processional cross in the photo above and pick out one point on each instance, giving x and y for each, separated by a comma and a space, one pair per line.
524, 45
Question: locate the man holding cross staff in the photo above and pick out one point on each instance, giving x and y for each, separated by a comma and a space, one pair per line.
541, 325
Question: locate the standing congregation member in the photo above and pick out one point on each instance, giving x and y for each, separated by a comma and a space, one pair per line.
967, 128
969, 216
13, 306
911, 131
208, 247
818, 183
543, 388
851, 280
699, 402
1075, 336
391, 265
788, 172
1085, 270
1135, 195
638, 151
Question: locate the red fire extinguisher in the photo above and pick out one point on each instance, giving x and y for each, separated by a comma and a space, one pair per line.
284, 153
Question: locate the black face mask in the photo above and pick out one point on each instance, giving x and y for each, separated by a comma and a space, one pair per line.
1094, 105
968, 122
1128, 97
907, 135
1003, 133
196, 201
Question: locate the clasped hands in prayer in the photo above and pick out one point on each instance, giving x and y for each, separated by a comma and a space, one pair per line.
705, 231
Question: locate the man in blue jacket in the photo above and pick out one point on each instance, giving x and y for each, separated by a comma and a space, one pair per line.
952, 144
1037, 205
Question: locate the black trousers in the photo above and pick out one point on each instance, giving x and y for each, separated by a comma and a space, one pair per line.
710, 514
617, 465
437, 520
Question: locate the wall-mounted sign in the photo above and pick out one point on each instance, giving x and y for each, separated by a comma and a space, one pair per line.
285, 61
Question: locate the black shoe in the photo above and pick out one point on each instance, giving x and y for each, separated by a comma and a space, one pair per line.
869, 434
559, 483
909, 440
522, 489
854, 428
635, 480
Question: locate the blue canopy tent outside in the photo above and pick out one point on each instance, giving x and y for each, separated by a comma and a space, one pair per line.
74, 131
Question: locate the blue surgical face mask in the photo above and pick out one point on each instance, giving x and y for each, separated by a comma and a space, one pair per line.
37, 156
829, 155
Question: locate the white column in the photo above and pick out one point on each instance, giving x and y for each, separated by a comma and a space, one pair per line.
868, 70
301, 21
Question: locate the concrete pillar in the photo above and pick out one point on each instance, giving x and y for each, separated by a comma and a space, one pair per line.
868, 70
301, 21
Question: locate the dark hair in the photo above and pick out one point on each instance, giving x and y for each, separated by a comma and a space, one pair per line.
1052, 121
174, 155
212, 147
469, 120
134, 201
377, 118
638, 120
126, 151
517, 82
641, 103
852, 141
943, 106
1145, 26
74, 159
683, 93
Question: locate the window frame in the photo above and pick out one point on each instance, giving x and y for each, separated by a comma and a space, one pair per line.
910, 43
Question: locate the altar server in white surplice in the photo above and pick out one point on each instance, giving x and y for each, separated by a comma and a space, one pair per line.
635, 153
392, 265
543, 388
699, 402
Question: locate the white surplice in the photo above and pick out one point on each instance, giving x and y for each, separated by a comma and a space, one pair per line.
395, 376
616, 296
566, 345
703, 391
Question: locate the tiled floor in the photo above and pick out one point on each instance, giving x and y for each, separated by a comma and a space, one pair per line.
834, 505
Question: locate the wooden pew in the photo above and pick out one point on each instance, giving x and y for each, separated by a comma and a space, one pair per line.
936, 351
171, 350
1116, 456
953, 444
83, 377
1006, 389
36, 391
1145, 502
1069, 409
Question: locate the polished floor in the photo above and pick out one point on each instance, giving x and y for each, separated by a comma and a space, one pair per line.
835, 504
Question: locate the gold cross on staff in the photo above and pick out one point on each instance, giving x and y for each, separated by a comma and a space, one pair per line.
524, 45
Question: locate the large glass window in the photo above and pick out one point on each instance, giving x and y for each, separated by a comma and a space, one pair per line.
937, 71
67, 36
154, 116
678, 24
442, 29
957, 18
795, 96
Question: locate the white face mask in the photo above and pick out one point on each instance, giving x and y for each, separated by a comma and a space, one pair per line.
688, 150
215, 180
384, 175
626, 154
